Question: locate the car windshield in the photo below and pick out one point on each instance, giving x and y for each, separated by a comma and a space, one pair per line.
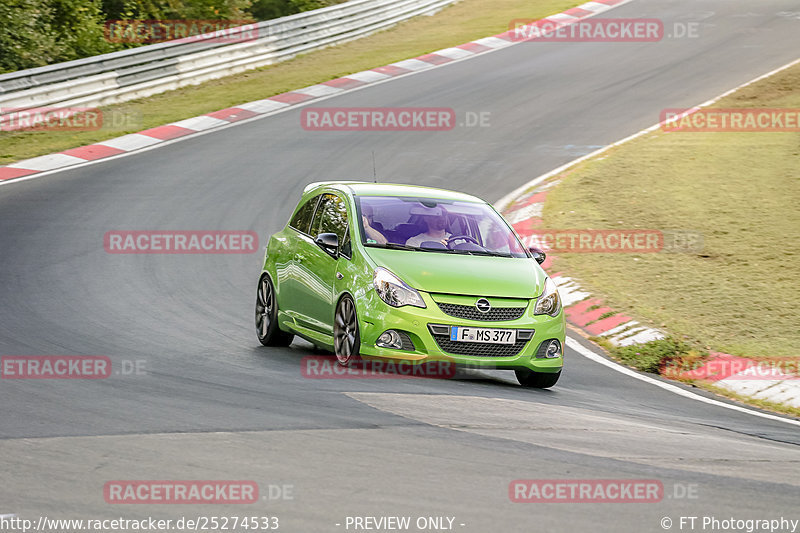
435, 225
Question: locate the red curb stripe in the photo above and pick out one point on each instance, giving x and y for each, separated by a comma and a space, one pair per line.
9, 173
581, 319
167, 132
232, 114
509, 35
291, 98
609, 2
93, 152
391, 70
434, 59
601, 326
473, 47
526, 227
577, 12
344, 83
581, 307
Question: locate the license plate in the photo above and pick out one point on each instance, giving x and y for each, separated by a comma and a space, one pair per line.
487, 335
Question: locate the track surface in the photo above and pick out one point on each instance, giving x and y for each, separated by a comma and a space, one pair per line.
214, 404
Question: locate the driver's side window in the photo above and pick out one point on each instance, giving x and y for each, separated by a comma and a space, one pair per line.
331, 217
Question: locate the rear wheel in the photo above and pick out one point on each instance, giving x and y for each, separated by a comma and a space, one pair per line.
537, 380
346, 337
269, 334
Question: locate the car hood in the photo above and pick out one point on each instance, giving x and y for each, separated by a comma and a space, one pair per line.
503, 277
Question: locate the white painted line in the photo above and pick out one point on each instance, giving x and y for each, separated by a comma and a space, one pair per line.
597, 358
47, 162
263, 106
200, 123
368, 76
134, 141
413, 65
454, 53
318, 90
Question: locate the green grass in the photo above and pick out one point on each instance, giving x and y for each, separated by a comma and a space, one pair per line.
739, 294
457, 24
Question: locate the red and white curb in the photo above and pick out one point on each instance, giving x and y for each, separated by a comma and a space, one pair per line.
149, 138
523, 209
583, 311
743, 376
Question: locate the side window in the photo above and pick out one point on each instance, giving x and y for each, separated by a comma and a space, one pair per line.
331, 217
302, 219
347, 246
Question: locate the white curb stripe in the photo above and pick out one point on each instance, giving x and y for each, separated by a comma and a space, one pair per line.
368, 76
413, 65
47, 162
318, 90
454, 53
595, 7
199, 123
134, 141
493, 42
263, 106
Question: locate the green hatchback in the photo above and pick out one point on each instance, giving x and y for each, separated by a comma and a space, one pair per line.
378, 270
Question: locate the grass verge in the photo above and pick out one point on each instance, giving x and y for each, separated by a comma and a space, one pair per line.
457, 24
739, 191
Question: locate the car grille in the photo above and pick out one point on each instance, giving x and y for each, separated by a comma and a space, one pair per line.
470, 312
478, 349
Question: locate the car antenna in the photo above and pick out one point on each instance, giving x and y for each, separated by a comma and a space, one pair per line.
374, 172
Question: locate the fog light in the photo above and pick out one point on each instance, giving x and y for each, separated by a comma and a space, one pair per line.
553, 349
390, 339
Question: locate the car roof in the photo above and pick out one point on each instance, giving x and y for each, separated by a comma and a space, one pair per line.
364, 188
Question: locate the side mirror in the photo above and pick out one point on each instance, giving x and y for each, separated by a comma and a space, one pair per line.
328, 242
538, 254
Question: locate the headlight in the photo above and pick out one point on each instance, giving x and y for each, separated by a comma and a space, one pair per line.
549, 303
393, 291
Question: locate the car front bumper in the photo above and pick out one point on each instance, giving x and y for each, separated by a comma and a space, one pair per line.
421, 324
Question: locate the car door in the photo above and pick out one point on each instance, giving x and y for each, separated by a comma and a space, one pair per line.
316, 268
288, 279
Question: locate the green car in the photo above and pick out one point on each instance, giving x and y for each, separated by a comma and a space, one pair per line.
378, 270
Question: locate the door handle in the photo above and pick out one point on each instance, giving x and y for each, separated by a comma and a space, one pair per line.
339, 275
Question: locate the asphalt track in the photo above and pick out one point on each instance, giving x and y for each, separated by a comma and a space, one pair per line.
214, 404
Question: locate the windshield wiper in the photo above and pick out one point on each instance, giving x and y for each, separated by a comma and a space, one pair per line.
490, 253
392, 246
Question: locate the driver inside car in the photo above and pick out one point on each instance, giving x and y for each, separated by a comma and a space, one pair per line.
435, 219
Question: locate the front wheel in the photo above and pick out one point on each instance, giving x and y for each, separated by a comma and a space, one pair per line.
346, 337
537, 380
269, 334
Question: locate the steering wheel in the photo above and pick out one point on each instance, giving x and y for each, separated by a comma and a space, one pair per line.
462, 237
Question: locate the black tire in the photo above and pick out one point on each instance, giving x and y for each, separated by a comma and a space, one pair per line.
267, 330
346, 335
537, 380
